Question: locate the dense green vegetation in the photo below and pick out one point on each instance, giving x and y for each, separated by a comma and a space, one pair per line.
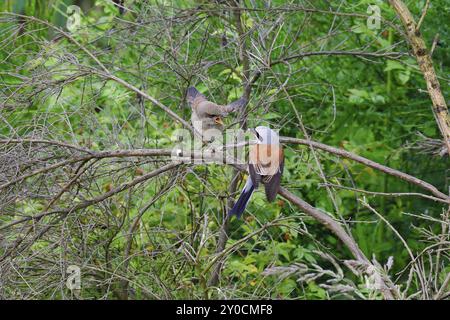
158, 238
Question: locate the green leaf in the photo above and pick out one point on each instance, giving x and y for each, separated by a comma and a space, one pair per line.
393, 65
404, 76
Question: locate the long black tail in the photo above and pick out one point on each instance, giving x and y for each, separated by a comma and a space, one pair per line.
239, 206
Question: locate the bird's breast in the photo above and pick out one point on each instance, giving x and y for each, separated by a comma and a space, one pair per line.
266, 158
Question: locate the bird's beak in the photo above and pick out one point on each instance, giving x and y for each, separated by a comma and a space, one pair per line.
218, 120
255, 136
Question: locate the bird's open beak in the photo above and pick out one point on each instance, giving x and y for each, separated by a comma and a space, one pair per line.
218, 120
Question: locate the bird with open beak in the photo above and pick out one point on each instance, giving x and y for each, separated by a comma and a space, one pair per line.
266, 161
209, 115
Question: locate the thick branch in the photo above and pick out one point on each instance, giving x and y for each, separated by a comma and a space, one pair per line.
346, 154
327, 221
426, 66
217, 158
334, 227
389, 55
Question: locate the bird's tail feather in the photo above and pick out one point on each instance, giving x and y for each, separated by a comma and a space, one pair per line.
241, 204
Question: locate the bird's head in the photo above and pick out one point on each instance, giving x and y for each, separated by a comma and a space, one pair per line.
218, 120
265, 135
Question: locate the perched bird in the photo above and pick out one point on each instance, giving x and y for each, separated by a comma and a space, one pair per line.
266, 160
206, 114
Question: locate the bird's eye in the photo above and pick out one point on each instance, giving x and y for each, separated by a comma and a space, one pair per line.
257, 135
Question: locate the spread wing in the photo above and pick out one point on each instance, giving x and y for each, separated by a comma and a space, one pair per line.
235, 105
212, 108
199, 102
194, 97
208, 108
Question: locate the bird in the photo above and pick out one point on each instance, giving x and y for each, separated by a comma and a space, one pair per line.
266, 162
208, 115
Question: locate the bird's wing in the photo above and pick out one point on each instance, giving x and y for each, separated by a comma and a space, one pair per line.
256, 178
235, 105
208, 108
273, 184
194, 97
